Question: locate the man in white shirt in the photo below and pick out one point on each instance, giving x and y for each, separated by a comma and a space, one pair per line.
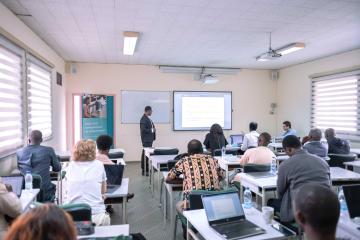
251, 138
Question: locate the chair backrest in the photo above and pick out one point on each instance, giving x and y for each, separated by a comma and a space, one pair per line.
180, 156
217, 152
256, 168
337, 160
37, 183
116, 155
78, 211
170, 151
171, 164
195, 201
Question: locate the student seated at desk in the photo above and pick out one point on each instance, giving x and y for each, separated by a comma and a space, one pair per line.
10, 206
103, 143
317, 210
215, 139
313, 144
86, 181
287, 129
201, 172
44, 222
299, 169
259, 155
251, 138
336, 145
38, 159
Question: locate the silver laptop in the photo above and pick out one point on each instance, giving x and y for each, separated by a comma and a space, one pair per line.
16, 182
226, 216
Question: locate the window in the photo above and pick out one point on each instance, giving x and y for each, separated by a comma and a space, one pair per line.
25, 96
335, 104
11, 118
39, 97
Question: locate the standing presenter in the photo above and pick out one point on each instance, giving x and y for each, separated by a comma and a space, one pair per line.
148, 134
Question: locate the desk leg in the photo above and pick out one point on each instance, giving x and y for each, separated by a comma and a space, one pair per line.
263, 197
61, 188
124, 212
158, 184
165, 204
187, 230
241, 192
227, 176
171, 199
346, 167
152, 179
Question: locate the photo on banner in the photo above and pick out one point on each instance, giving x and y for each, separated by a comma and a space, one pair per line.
97, 115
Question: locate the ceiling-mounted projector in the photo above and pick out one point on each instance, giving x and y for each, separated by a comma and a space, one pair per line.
270, 55
209, 79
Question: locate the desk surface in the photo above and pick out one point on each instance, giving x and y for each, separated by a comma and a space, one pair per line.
265, 182
340, 174
354, 163
67, 154
198, 219
346, 228
228, 160
355, 150
109, 231
122, 191
160, 159
27, 197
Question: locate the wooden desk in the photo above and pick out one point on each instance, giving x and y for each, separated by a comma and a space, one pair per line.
27, 197
198, 220
108, 231
121, 192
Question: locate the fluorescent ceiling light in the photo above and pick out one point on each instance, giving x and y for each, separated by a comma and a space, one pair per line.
130, 40
290, 48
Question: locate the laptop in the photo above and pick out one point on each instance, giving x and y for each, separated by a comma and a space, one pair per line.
352, 197
237, 139
226, 216
261, 174
16, 182
114, 175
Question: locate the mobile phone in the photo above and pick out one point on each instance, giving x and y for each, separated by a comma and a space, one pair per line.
284, 230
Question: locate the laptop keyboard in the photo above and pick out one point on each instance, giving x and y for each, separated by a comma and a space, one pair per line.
236, 229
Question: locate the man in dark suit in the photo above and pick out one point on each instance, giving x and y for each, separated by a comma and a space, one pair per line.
148, 134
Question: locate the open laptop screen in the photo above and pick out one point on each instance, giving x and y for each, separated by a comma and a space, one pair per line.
222, 206
352, 197
237, 139
16, 182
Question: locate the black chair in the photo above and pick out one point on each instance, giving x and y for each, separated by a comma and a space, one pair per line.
217, 152
337, 160
256, 168
115, 155
170, 151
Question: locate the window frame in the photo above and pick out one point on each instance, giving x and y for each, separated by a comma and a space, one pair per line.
25, 55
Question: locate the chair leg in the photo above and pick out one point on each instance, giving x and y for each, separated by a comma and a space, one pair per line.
175, 227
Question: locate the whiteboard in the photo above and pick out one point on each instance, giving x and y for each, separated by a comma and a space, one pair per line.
134, 102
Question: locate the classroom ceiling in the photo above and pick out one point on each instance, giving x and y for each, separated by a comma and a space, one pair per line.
218, 33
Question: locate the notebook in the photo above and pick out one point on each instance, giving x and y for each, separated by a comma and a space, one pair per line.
226, 216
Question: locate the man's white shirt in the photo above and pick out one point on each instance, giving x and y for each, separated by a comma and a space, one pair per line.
250, 140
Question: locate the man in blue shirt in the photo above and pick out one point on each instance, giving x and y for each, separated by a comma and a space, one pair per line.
38, 159
287, 129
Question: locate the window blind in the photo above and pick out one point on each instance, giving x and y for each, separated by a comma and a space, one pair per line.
11, 127
335, 104
39, 97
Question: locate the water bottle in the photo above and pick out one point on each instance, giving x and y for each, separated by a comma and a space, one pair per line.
247, 198
223, 152
28, 181
343, 206
273, 166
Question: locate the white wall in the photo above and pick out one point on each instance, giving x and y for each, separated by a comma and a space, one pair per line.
253, 92
14, 26
294, 87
